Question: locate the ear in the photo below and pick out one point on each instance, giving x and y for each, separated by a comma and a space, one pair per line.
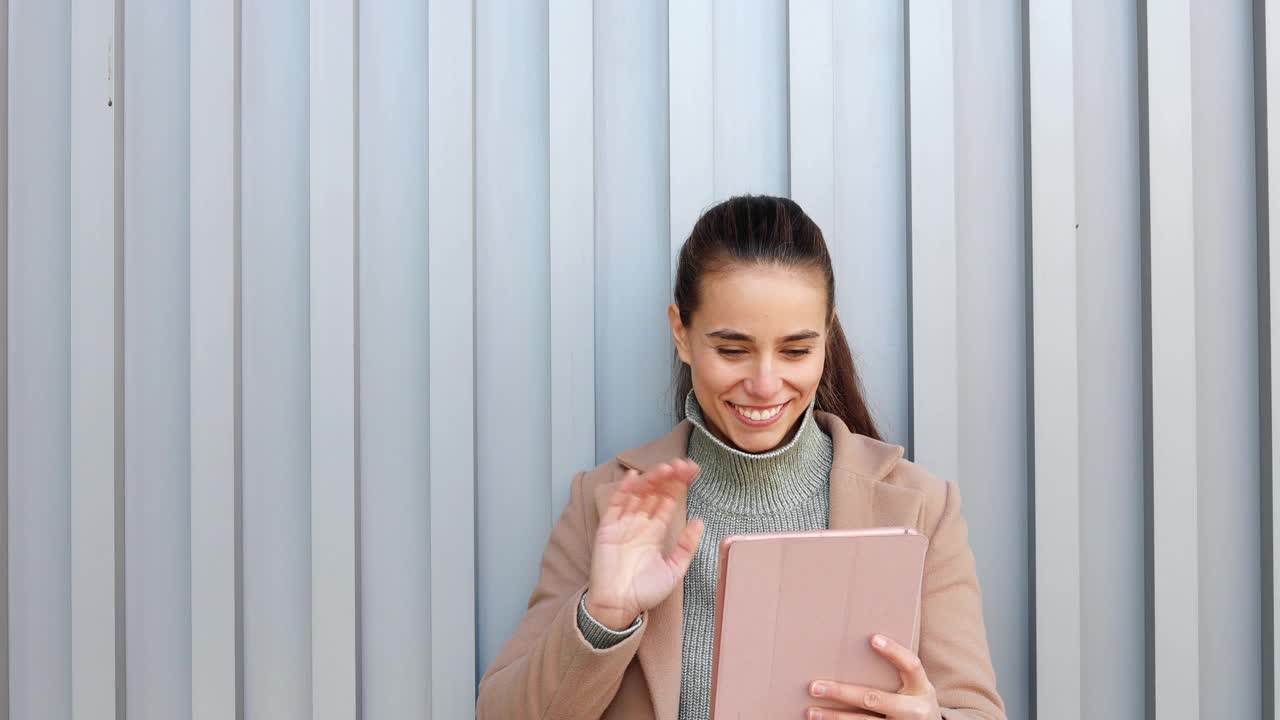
679, 334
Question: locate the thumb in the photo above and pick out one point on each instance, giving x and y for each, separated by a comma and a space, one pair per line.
686, 546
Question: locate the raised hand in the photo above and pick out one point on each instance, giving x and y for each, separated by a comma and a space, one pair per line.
630, 572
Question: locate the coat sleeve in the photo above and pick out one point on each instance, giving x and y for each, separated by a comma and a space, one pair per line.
953, 637
548, 669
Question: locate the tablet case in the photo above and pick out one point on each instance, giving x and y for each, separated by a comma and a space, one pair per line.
798, 606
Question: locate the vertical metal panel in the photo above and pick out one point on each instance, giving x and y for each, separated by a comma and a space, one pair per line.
157, 360
691, 90
1266, 34
934, 435
1050, 118
572, 257
848, 141
868, 235
1226, 335
513, 369
452, 267
1110, 358
395, 445
4, 360
633, 338
991, 323
749, 112
332, 313
215, 345
39, 322
1173, 592
96, 454
275, 226
811, 103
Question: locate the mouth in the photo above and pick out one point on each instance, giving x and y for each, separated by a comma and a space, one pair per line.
757, 417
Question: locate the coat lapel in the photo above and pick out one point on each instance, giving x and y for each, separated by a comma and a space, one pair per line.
858, 499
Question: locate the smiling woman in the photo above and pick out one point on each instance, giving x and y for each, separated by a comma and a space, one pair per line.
774, 435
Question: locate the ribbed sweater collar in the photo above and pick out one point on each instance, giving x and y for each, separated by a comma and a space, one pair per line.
757, 483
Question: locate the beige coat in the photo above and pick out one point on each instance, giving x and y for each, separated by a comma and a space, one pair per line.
547, 670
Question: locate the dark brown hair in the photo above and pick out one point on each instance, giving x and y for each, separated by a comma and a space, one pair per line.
760, 229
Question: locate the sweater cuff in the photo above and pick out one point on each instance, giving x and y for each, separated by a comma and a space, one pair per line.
598, 635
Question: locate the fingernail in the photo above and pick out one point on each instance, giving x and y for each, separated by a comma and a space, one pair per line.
879, 641
818, 689
815, 714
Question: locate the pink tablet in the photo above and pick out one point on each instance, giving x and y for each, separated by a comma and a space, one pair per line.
798, 606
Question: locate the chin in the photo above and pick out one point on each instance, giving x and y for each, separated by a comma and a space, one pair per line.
757, 443
759, 446
761, 442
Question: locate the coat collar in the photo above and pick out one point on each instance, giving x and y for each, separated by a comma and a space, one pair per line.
858, 499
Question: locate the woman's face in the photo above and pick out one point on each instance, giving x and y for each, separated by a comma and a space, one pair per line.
756, 347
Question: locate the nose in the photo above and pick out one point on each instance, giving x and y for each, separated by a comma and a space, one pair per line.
764, 383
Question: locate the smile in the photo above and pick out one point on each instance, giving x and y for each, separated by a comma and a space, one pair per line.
758, 416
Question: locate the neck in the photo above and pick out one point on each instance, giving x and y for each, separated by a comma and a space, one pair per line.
752, 483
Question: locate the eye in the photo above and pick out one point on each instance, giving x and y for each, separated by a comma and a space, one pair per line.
731, 351
796, 352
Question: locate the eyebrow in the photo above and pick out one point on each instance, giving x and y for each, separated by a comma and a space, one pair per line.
739, 336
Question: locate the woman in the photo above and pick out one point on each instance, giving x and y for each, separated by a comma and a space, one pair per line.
774, 435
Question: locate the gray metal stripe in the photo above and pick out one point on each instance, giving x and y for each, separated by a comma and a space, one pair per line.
4, 359
451, 325
934, 385
690, 47
1029, 339
96, 364
1050, 187
392, 361
237, 354
811, 41
122, 704
843, 58
333, 425
572, 262
356, 477
215, 348
1170, 359
1266, 92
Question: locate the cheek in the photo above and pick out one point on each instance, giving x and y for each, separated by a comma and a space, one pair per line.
808, 375
715, 373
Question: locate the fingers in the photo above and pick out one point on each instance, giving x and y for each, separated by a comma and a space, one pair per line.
649, 505
826, 714
648, 493
906, 707
618, 499
686, 546
684, 470
916, 700
914, 679
669, 478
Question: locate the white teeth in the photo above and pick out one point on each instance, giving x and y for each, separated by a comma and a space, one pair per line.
758, 415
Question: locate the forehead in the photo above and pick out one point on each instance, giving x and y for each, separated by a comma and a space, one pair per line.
762, 300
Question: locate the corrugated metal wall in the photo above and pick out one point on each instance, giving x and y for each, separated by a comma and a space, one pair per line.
312, 309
